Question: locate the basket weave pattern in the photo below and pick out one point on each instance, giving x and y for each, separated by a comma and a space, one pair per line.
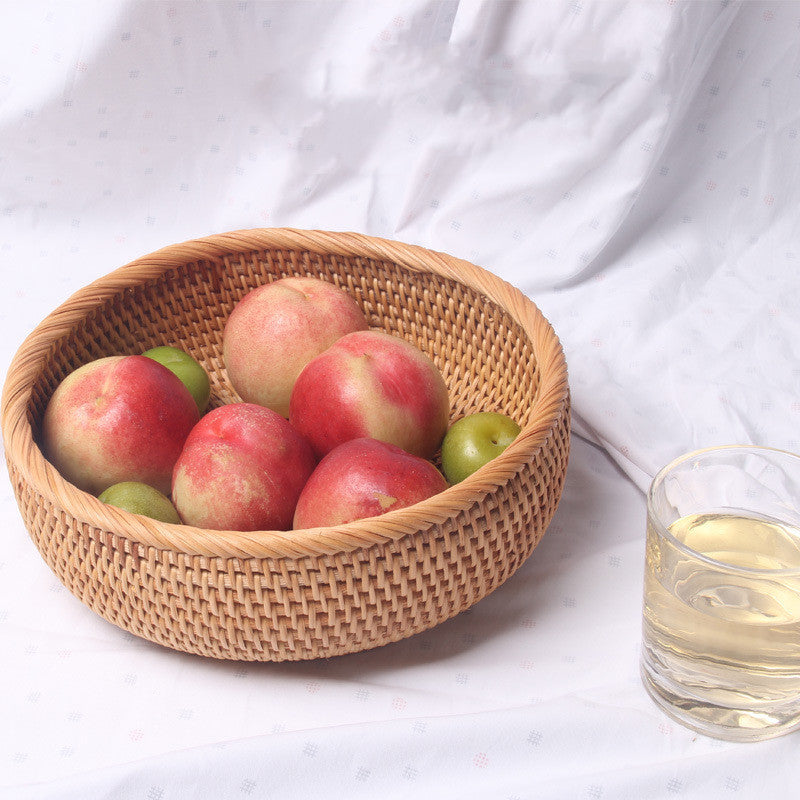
272, 596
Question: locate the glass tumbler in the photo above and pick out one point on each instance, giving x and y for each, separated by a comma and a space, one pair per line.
721, 612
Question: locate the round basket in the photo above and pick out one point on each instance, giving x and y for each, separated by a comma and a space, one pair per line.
289, 595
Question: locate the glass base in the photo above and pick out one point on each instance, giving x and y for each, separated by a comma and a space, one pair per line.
720, 722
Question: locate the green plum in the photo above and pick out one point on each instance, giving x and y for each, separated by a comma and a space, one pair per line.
475, 440
139, 498
194, 377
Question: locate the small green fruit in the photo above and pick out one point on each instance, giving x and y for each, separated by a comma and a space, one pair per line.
192, 374
139, 498
475, 440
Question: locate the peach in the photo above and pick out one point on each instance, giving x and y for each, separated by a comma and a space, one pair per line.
120, 418
364, 478
242, 468
276, 329
371, 384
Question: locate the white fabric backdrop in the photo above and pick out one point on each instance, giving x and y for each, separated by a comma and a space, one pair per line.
633, 167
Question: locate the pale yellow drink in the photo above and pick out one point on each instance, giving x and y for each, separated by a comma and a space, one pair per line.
721, 625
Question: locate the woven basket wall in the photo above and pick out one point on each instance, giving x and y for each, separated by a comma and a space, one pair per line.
273, 596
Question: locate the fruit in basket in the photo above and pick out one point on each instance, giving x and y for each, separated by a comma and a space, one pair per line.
371, 384
190, 371
242, 468
139, 498
276, 329
364, 478
473, 441
119, 418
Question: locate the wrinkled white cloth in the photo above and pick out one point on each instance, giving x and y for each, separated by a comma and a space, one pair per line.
631, 166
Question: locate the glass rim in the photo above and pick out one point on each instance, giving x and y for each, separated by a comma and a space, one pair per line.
665, 533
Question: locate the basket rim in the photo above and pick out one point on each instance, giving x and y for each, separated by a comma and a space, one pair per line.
552, 401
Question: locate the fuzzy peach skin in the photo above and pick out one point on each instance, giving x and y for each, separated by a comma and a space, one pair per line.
120, 418
364, 478
371, 384
242, 468
276, 329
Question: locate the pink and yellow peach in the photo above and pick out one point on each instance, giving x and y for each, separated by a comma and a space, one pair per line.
120, 418
364, 478
371, 384
276, 329
242, 468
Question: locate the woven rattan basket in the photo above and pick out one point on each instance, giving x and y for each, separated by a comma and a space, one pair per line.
274, 596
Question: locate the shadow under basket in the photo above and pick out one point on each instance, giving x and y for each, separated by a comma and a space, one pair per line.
290, 595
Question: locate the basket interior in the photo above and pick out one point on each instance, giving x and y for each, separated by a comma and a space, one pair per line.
485, 357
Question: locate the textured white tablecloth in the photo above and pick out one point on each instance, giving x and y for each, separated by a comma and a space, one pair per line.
633, 167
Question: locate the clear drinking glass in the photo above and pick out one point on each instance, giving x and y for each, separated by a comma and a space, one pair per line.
721, 622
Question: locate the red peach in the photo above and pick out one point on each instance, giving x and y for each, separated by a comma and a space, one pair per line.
364, 478
276, 329
242, 468
371, 384
120, 418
